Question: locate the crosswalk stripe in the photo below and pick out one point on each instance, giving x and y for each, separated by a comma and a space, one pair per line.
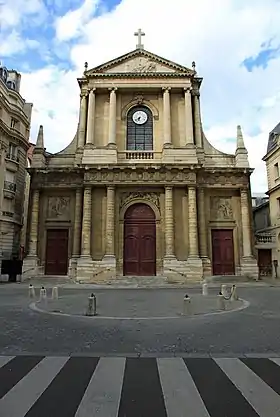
180, 393
103, 393
275, 360
5, 359
262, 398
23, 395
267, 370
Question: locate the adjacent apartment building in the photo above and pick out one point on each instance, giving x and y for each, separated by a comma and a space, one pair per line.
15, 117
268, 237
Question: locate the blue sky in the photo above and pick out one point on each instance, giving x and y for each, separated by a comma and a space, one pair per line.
237, 52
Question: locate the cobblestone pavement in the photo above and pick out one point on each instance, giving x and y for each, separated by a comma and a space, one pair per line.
254, 330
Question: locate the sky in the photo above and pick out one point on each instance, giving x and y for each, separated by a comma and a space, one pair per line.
235, 44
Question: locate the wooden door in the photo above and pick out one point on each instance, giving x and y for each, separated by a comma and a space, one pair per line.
222, 252
56, 252
265, 262
139, 241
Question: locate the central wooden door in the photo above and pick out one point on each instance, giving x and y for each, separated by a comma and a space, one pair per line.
56, 252
222, 252
139, 241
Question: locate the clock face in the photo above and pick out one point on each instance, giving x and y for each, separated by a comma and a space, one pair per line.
140, 117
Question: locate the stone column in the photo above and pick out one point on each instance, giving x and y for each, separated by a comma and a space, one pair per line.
202, 224
86, 223
77, 224
169, 223
193, 241
167, 117
188, 116
110, 222
112, 117
197, 119
245, 219
34, 223
82, 120
91, 117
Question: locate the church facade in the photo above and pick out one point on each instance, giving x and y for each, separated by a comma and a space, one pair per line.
140, 191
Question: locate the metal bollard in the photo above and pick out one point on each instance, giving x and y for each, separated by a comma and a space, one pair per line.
221, 302
55, 293
204, 289
224, 290
234, 295
31, 291
186, 306
43, 294
91, 310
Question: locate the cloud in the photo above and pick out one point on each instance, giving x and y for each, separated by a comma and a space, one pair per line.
221, 36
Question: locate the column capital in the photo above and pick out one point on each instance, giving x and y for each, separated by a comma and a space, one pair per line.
111, 187
112, 89
169, 187
92, 90
84, 94
188, 89
166, 89
195, 93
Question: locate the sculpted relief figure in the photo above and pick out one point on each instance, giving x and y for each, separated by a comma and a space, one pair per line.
221, 208
58, 207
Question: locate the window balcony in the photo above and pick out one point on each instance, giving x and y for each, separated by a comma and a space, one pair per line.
9, 214
265, 240
12, 157
139, 156
9, 189
12, 162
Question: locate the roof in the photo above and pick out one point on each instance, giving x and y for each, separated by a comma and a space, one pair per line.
272, 139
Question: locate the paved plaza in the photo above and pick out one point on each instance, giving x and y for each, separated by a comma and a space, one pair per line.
139, 356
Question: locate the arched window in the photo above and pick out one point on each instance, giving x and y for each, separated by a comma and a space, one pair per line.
139, 135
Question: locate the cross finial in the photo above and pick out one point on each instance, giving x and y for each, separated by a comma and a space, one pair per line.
139, 34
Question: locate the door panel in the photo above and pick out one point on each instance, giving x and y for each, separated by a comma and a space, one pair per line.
56, 252
265, 262
140, 241
222, 252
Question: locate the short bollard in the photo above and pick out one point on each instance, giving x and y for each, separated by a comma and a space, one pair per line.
224, 290
234, 295
31, 291
43, 294
187, 306
221, 302
55, 293
204, 289
91, 310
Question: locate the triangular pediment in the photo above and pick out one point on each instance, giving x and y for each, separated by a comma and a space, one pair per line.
140, 61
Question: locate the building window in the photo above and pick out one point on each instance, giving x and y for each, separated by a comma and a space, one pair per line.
13, 152
278, 206
276, 170
14, 123
139, 135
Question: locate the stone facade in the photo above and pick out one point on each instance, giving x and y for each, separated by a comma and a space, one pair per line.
15, 117
167, 165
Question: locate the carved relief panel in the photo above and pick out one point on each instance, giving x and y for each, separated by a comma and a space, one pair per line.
130, 196
221, 208
58, 208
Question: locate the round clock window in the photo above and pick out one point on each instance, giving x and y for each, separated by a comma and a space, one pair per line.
140, 117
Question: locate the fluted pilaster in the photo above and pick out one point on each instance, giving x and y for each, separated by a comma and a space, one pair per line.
193, 241
246, 227
169, 222
86, 223
77, 223
34, 223
110, 222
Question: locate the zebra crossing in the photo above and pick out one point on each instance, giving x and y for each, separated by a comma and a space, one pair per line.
48, 386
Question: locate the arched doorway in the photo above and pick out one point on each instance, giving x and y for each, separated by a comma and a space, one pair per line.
139, 256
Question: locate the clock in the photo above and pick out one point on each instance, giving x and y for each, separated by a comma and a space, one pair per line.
140, 117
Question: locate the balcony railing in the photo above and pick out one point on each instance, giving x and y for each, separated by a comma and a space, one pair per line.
10, 186
12, 157
139, 156
264, 238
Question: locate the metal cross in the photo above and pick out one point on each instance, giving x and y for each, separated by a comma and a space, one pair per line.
139, 34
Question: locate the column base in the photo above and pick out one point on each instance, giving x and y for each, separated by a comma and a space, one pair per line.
84, 268
249, 267
183, 271
109, 260
72, 268
206, 266
30, 267
194, 268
